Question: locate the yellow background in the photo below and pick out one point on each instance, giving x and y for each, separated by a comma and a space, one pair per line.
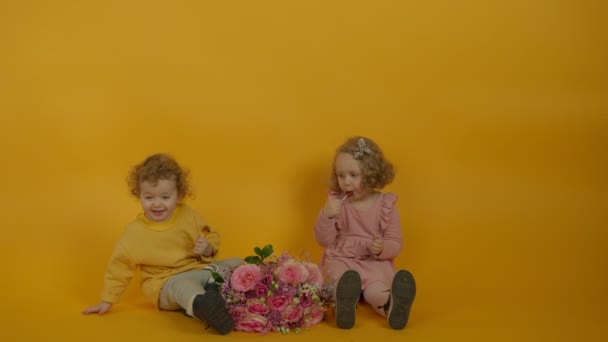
494, 112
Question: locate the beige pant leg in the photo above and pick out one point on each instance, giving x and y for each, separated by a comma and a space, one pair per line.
225, 263
179, 291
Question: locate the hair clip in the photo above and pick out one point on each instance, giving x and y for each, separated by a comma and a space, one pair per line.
361, 149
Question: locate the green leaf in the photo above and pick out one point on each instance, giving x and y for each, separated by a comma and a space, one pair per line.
267, 251
253, 260
258, 251
217, 277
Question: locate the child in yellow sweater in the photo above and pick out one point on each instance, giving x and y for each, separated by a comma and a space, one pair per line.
171, 245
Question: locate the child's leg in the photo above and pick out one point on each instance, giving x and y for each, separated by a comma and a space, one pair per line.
179, 291
230, 262
334, 269
218, 265
186, 290
376, 295
190, 283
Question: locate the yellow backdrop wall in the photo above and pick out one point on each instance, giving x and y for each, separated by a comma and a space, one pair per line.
494, 113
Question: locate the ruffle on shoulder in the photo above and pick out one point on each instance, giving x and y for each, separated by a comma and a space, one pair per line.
387, 205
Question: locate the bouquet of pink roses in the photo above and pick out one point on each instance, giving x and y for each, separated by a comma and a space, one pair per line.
281, 294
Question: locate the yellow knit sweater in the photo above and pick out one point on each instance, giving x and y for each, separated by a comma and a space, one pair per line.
159, 250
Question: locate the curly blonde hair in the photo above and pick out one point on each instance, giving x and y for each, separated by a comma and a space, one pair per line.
377, 172
159, 166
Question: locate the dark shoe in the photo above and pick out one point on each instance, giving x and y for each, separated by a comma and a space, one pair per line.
213, 287
348, 292
210, 307
401, 299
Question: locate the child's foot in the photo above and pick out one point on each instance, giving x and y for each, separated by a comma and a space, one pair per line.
210, 307
402, 296
348, 292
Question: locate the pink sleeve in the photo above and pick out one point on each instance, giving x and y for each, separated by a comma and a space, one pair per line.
390, 224
325, 230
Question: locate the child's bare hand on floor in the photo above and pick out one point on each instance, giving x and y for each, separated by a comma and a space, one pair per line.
100, 308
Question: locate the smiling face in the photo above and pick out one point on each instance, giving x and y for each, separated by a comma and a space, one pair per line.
158, 200
349, 175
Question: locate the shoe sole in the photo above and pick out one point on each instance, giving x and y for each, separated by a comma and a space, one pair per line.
403, 292
348, 292
211, 308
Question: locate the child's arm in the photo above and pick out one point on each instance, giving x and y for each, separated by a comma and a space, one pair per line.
119, 273
325, 230
392, 241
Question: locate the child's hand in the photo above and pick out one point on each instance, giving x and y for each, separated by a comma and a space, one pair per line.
202, 247
377, 246
332, 208
100, 308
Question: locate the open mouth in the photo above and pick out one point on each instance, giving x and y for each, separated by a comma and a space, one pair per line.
158, 212
347, 194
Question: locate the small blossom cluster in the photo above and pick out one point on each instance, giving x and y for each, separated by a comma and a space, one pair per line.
281, 294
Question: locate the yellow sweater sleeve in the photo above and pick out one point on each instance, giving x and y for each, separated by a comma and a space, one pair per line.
119, 273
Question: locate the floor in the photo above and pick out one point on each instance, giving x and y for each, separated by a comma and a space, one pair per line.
49, 313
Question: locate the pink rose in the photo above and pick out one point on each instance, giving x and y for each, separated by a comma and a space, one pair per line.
313, 318
292, 272
261, 290
314, 274
253, 323
245, 277
257, 306
292, 313
237, 313
305, 300
277, 303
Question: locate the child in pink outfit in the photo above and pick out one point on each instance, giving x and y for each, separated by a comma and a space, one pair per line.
360, 229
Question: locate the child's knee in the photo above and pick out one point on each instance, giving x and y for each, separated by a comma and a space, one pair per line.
230, 262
